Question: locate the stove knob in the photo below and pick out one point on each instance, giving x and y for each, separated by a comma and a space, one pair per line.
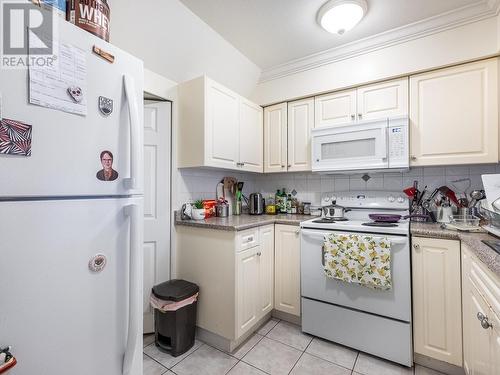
401, 200
327, 199
391, 198
334, 198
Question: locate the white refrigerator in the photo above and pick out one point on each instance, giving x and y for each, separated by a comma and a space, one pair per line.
71, 244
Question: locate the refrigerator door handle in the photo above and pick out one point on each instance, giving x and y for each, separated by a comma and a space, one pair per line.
135, 141
132, 212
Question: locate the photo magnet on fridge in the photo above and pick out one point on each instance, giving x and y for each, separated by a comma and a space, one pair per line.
107, 173
105, 105
15, 138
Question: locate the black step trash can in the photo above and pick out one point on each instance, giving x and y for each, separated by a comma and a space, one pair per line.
174, 303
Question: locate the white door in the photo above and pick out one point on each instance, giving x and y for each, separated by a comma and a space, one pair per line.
437, 318
58, 315
251, 136
157, 130
221, 139
247, 275
300, 123
334, 109
287, 269
275, 142
454, 115
266, 270
383, 100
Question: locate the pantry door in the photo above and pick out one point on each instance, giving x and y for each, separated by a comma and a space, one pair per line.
157, 131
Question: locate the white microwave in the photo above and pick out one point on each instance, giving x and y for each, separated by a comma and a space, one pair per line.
364, 146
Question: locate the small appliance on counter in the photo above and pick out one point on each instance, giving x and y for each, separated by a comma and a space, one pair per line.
255, 204
225, 194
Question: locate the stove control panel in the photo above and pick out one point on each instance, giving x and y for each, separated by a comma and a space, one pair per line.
367, 199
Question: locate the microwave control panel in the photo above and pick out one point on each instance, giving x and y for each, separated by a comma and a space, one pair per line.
398, 144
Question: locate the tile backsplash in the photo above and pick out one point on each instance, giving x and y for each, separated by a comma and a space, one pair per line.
200, 183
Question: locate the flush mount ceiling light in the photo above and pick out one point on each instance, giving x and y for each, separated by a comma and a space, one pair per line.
339, 16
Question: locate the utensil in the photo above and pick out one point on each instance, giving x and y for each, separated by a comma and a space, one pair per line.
410, 192
447, 192
476, 196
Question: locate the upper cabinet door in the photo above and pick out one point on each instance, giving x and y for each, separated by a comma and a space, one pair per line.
275, 142
251, 137
454, 115
300, 123
335, 109
222, 126
381, 100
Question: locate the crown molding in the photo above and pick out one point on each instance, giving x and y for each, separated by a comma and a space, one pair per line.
452, 19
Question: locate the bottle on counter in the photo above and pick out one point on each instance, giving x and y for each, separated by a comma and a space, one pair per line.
289, 204
295, 205
283, 201
277, 201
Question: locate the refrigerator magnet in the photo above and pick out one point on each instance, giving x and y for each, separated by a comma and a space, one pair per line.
107, 173
76, 93
105, 105
15, 138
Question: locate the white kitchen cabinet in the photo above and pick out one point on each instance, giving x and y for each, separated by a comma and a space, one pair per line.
218, 128
437, 317
287, 269
481, 295
275, 138
251, 137
247, 274
337, 108
454, 115
370, 102
300, 123
381, 100
266, 270
235, 273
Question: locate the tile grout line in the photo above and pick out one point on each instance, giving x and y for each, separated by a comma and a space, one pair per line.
171, 368
155, 361
303, 352
336, 364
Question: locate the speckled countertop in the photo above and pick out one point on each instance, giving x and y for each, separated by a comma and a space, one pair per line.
242, 222
473, 240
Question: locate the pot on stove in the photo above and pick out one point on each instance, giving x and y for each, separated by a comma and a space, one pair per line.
334, 211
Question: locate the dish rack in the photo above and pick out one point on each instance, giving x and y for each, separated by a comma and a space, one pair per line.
493, 218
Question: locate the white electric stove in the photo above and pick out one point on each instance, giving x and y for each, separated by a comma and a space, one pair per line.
373, 321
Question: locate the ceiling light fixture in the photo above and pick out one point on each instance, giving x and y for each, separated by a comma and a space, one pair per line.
339, 16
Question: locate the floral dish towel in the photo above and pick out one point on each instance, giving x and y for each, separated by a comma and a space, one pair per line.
360, 259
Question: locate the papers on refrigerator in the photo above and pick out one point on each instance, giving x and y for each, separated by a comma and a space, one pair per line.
51, 86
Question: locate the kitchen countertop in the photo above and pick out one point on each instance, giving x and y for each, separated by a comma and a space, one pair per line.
473, 240
242, 222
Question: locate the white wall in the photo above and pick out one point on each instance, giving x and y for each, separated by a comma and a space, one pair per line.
177, 44
453, 46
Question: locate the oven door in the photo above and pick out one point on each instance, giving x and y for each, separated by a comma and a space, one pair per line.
352, 147
394, 303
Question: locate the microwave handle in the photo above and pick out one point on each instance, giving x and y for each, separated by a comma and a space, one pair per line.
386, 143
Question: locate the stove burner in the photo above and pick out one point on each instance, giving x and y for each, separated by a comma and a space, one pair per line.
325, 220
380, 224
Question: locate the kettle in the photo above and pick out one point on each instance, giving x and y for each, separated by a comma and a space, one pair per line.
255, 204
186, 211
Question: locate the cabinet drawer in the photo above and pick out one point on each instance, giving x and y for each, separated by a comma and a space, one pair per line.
247, 239
488, 285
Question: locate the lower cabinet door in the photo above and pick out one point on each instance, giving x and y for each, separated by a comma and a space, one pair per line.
247, 276
266, 271
437, 315
287, 269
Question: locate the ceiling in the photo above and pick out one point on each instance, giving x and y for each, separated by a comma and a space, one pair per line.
274, 32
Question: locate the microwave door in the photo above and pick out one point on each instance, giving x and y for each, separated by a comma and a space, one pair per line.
351, 149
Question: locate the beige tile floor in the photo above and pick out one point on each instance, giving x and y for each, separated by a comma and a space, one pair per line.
277, 348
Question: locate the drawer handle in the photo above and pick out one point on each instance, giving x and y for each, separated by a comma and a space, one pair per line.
249, 239
484, 321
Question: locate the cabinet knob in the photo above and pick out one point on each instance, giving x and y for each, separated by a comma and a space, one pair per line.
360, 116
353, 117
484, 320
413, 158
297, 232
416, 246
282, 166
242, 164
289, 166
259, 254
